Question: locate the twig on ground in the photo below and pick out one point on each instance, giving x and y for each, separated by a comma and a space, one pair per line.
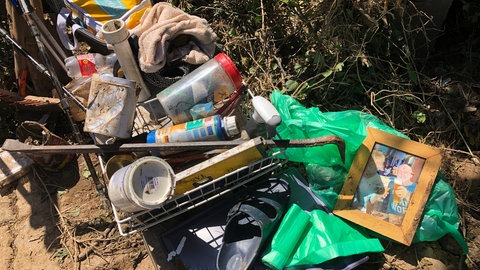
63, 228
475, 158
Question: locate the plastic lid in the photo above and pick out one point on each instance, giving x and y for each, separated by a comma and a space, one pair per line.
151, 137
230, 68
159, 185
230, 126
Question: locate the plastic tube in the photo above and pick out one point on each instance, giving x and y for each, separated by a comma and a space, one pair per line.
116, 33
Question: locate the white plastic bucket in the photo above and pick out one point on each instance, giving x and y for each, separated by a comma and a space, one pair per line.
144, 184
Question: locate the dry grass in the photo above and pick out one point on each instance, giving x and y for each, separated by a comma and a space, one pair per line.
340, 55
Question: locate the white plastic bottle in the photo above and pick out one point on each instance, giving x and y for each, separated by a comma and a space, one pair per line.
265, 118
84, 65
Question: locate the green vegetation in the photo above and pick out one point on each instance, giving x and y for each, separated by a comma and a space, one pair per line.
362, 55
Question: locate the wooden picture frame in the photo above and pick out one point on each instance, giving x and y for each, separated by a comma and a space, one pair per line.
388, 196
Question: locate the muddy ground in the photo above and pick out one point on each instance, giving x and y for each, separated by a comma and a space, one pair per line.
48, 219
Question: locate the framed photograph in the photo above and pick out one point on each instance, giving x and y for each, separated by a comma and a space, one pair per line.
388, 185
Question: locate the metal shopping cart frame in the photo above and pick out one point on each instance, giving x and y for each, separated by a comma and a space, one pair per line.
130, 223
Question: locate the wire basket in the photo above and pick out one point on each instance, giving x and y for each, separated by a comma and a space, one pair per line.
130, 223
149, 115
148, 118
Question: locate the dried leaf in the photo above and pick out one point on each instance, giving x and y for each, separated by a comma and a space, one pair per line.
75, 212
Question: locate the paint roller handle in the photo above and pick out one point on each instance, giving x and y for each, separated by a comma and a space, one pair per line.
97, 45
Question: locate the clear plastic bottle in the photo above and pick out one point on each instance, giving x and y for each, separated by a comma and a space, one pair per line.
205, 129
218, 78
84, 65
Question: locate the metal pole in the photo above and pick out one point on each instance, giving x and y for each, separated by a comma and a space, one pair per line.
40, 67
27, 14
52, 45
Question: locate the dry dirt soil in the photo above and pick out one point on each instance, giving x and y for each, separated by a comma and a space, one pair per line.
57, 220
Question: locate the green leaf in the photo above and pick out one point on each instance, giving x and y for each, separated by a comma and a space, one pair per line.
233, 32
304, 87
338, 67
291, 85
298, 68
61, 254
327, 73
420, 117
318, 58
412, 75
257, 20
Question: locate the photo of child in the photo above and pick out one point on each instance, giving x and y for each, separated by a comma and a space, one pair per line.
388, 181
401, 189
373, 184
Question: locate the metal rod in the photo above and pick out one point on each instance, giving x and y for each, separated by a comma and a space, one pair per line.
17, 46
54, 53
27, 14
17, 146
40, 67
46, 37
49, 38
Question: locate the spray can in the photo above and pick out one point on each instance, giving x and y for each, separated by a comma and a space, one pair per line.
206, 129
213, 81
85, 65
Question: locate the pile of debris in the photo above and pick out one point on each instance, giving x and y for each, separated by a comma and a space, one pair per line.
163, 108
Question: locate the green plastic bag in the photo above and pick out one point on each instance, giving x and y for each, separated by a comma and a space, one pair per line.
301, 123
326, 172
440, 216
306, 239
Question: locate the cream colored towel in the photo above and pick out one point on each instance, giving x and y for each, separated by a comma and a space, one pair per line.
166, 33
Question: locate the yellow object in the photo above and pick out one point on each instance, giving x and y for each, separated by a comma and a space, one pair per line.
134, 19
95, 13
105, 10
226, 162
